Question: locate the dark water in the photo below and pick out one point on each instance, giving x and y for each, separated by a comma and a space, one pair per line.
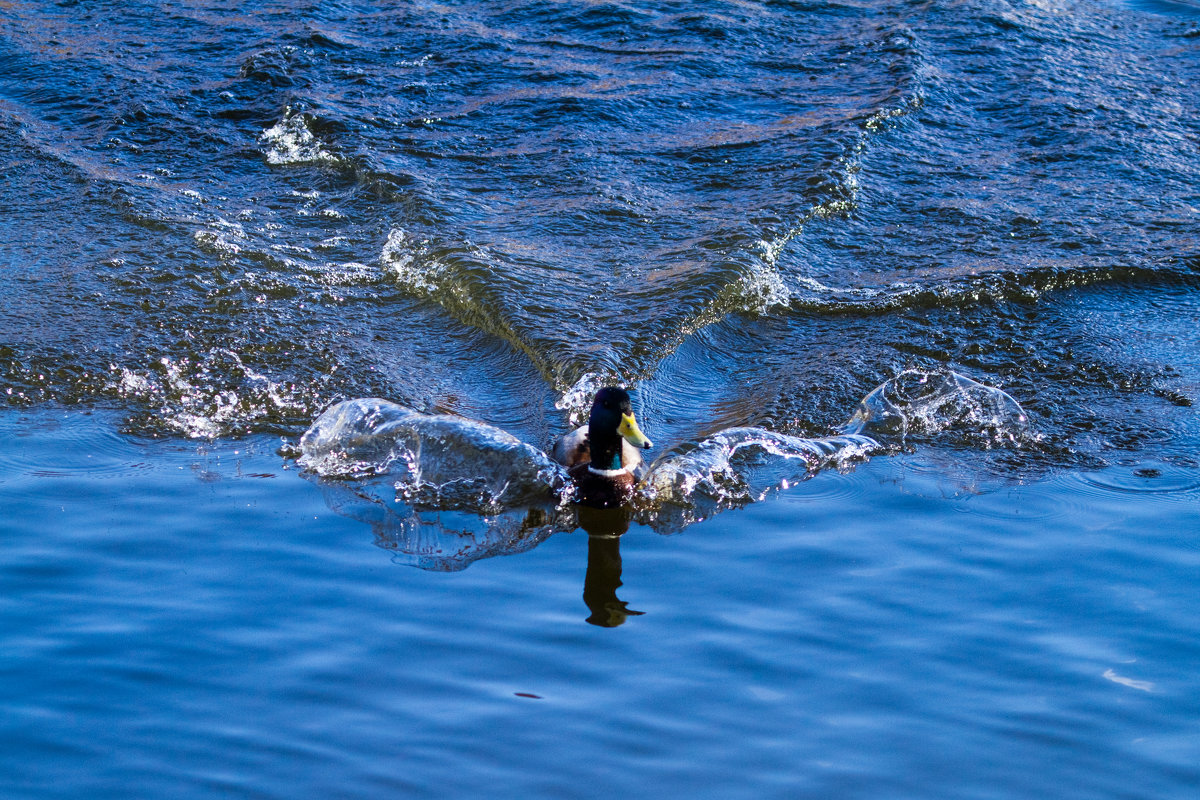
219, 219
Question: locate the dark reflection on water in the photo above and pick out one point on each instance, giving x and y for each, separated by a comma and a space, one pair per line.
604, 527
447, 541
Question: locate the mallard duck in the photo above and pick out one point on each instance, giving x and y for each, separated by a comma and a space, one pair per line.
601, 456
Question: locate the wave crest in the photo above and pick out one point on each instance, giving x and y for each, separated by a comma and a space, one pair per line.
739, 466
434, 460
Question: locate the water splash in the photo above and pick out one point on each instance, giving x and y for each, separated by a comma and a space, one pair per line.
442, 491
577, 400
433, 461
215, 395
739, 466
292, 142
414, 267
438, 491
918, 402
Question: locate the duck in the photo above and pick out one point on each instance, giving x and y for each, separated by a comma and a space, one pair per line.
601, 456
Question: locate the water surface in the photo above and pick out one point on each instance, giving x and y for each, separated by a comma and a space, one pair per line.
221, 219
192, 622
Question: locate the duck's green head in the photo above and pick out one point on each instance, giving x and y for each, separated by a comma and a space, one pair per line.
612, 420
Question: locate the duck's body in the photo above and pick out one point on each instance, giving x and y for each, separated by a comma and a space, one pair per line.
601, 457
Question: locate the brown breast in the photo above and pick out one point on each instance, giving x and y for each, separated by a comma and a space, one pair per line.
601, 491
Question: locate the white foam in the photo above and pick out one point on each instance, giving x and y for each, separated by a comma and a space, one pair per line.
215, 396
291, 141
411, 261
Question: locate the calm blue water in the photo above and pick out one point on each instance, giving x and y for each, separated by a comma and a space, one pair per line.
196, 622
219, 219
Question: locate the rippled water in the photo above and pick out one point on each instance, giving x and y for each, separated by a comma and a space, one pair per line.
199, 622
221, 219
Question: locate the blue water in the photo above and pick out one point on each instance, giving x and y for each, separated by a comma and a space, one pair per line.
196, 622
220, 220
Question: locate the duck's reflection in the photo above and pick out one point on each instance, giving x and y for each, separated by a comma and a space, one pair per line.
448, 541
604, 527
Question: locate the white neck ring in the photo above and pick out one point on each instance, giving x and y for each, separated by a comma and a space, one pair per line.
608, 473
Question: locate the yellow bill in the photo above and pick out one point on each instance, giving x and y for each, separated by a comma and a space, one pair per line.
632, 434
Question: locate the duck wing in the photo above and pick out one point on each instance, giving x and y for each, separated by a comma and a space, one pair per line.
573, 448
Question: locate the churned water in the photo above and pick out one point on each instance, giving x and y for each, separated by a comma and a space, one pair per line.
295, 296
